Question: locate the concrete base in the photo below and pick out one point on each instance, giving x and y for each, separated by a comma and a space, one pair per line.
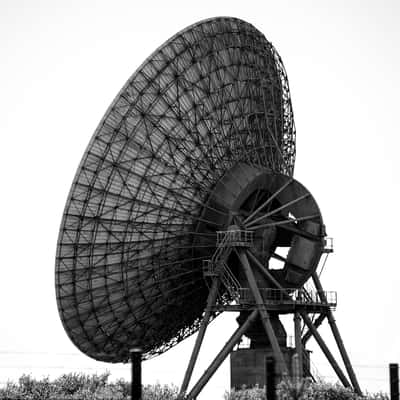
248, 365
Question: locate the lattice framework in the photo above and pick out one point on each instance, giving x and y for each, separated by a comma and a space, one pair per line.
211, 96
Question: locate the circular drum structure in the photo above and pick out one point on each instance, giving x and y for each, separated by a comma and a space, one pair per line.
134, 231
282, 216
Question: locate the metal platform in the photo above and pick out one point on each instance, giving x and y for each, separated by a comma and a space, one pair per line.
235, 237
276, 298
286, 301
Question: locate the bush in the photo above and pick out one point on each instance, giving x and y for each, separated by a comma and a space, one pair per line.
255, 393
327, 391
160, 392
304, 389
78, 386
73, 383
34, 389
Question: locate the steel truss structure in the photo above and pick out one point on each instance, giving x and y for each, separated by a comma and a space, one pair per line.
185, 206
269, 212
309, 308
214, 94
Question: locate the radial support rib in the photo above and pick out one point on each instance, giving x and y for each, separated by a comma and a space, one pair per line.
338, 338
294, 201
263, 313
200, 336
281, 189
283, 222
325, 350
221, 356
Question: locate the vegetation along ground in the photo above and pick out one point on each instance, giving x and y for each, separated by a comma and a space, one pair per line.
79, 386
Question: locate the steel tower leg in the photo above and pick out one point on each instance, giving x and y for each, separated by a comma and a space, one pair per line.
240, 331
298, 343
200, 336
263, 313
325, 350
338, 338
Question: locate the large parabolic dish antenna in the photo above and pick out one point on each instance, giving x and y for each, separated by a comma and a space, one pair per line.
143, 212
185, 206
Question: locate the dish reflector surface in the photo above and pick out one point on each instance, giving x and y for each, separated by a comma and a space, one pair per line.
127, 274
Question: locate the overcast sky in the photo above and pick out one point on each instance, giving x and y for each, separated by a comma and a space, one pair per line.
63, 62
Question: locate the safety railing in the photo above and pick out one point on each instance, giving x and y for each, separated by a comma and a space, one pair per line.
236, 237
230, 282
228, 279
223, 248
221, 252
209, 268
289, 297
328, 245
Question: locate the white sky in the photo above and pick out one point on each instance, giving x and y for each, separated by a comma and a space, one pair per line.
62, 63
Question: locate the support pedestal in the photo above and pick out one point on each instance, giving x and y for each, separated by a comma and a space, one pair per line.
248, 365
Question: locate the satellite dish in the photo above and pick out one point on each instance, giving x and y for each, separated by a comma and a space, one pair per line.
196, 152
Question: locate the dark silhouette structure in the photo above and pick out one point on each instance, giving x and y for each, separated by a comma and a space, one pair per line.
184, 206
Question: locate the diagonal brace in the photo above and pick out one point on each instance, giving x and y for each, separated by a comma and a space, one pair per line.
212, 296
234, 339
337, 336
325, 350
263, 313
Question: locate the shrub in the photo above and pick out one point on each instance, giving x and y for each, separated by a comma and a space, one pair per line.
294, 389
255, 393
304, 389
78, 386
160, 392
34, 389
73, 383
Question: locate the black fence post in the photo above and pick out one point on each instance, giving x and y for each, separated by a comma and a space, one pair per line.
270, 378
394, 381
136, 378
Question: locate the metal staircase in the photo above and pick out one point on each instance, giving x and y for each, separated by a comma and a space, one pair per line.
217, 265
